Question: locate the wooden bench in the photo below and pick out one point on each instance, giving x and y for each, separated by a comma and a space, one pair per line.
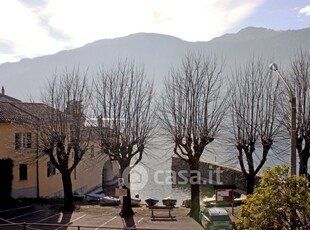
161, 208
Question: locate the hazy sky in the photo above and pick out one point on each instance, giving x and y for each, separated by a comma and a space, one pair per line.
30, 28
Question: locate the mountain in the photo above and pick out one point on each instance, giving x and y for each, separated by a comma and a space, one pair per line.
157, 52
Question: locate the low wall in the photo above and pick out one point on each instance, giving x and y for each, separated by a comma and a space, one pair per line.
213, 173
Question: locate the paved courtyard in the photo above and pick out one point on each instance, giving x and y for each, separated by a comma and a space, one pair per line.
87, 217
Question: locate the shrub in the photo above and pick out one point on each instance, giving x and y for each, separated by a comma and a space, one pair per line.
279, 202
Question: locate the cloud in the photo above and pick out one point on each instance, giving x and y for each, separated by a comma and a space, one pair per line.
20, 27
305, 10
198, 20
38, 27
33, 2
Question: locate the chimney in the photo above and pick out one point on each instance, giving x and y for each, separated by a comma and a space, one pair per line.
99, 120
2, 90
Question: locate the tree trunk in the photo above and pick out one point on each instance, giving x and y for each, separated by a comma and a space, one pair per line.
67, 188
250, 183
303, 162
126, 208
195, 201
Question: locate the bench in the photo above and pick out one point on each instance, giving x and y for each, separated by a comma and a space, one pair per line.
161, 208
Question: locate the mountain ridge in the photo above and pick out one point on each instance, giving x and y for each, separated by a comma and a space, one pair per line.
157, 52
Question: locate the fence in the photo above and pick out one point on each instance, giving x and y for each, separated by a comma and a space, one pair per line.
40, 226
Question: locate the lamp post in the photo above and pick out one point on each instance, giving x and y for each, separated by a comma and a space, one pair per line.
274, 67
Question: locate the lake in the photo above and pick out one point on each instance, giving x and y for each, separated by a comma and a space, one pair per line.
151, 178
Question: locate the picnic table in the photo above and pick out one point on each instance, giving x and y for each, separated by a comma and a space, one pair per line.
156, 208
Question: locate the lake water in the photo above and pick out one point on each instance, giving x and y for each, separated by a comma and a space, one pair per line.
152, 176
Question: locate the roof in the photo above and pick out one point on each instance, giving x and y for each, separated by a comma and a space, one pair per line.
10, 112
14, 110
5, 98
38, 110
24, 112
217, 211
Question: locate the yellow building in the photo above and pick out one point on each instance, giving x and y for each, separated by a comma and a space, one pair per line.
33, 174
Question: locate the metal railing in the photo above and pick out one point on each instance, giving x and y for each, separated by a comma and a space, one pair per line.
35, 226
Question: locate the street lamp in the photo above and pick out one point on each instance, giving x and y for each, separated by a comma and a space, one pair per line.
274, 67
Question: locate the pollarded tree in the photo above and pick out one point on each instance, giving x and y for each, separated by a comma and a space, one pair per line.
191, 111
123, 101
62, 134
254, 101
300, 71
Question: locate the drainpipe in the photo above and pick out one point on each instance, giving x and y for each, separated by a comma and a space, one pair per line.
37, 164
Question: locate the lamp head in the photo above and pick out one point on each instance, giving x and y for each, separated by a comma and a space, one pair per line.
273, 67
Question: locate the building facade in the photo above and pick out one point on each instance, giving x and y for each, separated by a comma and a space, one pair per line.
33, 173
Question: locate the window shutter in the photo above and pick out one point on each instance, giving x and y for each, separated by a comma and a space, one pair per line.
18, 140
28, 140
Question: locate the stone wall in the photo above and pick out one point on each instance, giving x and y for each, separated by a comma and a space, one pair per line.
212, 173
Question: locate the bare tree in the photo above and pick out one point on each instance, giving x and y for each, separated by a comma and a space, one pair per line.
254, 101
300, 71
62, 134
191, 111
123, 100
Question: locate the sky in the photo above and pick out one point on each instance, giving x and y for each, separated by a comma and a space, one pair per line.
31, 28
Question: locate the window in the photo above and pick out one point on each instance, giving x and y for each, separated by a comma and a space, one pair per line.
28, 140
22, 140
51, 170
18, 140
23, 172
